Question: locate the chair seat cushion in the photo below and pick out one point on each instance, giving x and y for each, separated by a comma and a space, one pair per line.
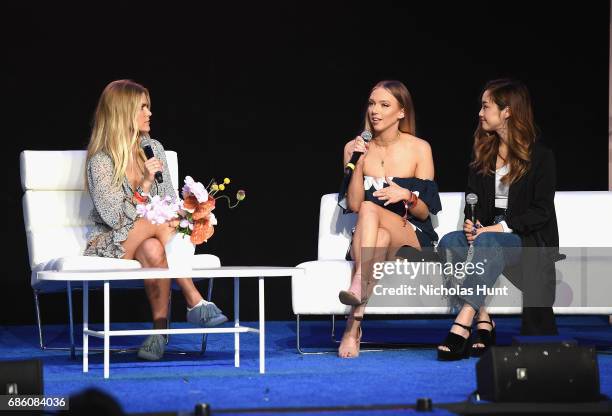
71, 263
105, 263
202, 261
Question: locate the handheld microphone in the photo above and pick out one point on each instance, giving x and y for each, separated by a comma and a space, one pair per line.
366, 135
472, 200
149, 153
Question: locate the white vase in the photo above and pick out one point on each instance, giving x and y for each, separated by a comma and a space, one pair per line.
179, 252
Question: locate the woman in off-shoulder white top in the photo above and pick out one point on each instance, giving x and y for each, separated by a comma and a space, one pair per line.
392, 191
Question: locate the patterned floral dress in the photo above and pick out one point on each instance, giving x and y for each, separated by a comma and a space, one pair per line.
113, 213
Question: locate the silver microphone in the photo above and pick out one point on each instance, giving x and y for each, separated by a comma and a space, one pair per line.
366, 135
472, 200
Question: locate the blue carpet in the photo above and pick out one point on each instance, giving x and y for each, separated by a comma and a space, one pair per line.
178, 382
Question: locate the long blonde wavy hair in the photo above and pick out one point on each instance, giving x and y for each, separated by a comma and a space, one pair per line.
402, 95
522, 131
115, 128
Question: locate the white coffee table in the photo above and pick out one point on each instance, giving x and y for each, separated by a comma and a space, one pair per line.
108, 276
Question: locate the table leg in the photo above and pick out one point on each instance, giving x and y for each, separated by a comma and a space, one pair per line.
85, 326
71, 318
236, 321
262, 327
106, 328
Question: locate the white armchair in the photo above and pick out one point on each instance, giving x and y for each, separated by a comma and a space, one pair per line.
56, 207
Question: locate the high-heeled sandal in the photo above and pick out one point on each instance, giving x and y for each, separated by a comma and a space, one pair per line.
458, 347
485, 337
359, 335
348, 297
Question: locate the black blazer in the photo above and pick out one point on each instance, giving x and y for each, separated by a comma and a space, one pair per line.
531, 200
530, 214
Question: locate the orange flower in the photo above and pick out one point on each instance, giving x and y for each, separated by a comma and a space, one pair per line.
202, 230
201, 209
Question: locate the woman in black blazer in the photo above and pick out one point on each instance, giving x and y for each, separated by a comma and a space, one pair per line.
513, 178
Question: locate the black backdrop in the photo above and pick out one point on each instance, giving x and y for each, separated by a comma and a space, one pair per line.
268, 95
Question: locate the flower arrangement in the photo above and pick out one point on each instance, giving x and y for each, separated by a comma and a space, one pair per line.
193, 213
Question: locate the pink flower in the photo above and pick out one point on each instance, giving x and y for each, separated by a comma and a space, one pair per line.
158, 210
195, 188
194, 211
141, 210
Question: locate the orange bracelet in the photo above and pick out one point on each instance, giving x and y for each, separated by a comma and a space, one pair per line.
140, 198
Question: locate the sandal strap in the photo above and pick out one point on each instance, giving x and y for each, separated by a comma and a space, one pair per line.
485, 322
467, 328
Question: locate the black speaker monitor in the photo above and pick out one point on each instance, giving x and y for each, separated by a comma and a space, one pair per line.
539, 373
21, 377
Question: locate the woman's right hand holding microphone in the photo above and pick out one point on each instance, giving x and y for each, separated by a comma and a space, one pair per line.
150, 167
470, 230
358, 145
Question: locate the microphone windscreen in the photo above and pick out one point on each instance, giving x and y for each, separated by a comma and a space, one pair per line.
471, 199
366, 135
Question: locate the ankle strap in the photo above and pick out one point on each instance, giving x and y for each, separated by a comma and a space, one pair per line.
468, 328
485, 322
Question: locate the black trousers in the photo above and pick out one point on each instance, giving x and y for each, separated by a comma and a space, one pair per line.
538, 321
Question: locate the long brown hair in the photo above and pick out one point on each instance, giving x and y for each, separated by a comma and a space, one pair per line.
522, 131
402, 95
115, 130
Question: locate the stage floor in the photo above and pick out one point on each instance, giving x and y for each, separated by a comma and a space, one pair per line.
178, 382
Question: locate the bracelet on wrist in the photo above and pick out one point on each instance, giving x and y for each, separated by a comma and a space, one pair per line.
141, 198
411, 202
408, 204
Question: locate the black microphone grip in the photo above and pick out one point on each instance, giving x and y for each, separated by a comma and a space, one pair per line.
149, 154
350, 166
366, 136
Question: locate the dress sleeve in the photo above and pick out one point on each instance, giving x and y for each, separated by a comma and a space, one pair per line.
428, 193
342, 201
109, 200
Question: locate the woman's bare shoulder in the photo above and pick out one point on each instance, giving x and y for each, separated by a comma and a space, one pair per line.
417, 144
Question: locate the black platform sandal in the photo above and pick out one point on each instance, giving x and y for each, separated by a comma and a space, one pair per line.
458, 346
485, 337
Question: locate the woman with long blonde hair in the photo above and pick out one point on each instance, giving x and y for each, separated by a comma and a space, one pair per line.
119, 176
513, 177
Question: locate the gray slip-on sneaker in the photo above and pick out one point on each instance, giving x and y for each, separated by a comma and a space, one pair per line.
206, 315
152, 348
